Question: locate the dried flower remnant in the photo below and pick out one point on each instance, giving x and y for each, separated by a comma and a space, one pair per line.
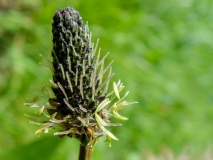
81, 106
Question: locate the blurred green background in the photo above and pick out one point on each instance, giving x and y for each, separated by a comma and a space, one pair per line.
162, 51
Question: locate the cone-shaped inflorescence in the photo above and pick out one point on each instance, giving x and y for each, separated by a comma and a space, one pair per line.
74, 73
73, 64
80, 105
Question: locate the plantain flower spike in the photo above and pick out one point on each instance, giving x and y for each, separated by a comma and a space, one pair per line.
81, 106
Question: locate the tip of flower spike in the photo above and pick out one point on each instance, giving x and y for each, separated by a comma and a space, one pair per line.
57, 17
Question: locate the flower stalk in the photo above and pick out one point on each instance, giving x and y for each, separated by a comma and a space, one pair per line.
84, 152
79, 105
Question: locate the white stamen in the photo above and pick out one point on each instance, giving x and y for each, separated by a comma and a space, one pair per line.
90, 36
115, 88
101, 72
53, 83
48, 62
82, 108
68, 79
109, 65
69, 63
83, 67
76, 74
68, 105
55, 56
100, 120
63, 132
81, 119
122, 97
107, 84
108, 79
74, 50
103, 58
96, 46
94, 75
71, 40
62, 89
89, 60
62, 70
108, 133
102, 105
97, 60
81, 87
93, 86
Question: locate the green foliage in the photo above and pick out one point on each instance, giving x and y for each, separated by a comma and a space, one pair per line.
162, 51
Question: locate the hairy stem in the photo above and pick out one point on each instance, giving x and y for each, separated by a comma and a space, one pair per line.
84, 153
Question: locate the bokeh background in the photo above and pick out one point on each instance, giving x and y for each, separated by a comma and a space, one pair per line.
162, 51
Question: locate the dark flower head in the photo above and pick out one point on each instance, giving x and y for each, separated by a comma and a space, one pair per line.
81, 102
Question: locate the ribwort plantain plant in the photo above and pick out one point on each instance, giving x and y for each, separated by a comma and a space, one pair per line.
80, 104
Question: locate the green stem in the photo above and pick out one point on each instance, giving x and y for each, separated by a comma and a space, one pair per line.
84, 153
